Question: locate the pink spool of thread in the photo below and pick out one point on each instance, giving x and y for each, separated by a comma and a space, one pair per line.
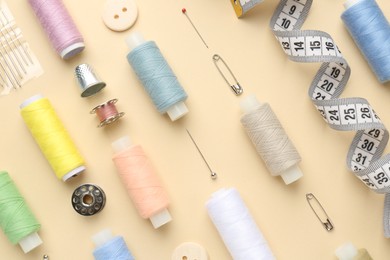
59, 27
141, 181
107, 112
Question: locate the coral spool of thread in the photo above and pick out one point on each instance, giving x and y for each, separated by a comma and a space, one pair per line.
109, 247
52, 137
156, 76
59, 27
16, 219
141, 181
370, 30
270, 140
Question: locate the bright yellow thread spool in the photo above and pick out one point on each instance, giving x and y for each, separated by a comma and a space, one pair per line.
52, 137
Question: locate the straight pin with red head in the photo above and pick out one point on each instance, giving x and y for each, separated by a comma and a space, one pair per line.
184, 11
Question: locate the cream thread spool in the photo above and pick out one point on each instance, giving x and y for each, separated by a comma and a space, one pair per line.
270, 140
349, 252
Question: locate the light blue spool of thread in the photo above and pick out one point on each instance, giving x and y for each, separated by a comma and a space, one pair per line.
110, 248
156, 76
371, 32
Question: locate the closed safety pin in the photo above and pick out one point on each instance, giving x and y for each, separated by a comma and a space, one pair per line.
237, 89
325, 221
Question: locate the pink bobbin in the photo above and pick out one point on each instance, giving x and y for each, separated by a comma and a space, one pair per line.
107, 112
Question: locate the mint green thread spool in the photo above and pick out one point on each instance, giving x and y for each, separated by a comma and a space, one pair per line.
16, 219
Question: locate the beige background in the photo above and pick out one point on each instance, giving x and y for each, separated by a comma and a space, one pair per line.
261, 67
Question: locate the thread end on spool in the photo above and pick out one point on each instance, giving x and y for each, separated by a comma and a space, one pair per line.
346, 252
102, 237
161, 218
134, 39
291, 175
350, 3
30, 100
249, 104
30, 242
177, 111
73, 173
72, 50
121, 144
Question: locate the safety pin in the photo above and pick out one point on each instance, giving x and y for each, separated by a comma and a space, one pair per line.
237, 89
326, 223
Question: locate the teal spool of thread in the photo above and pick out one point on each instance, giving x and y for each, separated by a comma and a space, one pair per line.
156, 76
16, 219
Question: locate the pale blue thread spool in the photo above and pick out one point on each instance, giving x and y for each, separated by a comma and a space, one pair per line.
110, 248
156, 76
371, 32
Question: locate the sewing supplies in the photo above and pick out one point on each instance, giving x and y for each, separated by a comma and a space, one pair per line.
241, 7
370, 30
109, 247
141, 181
59, 27
349, 252
236, 226
45, 257
88, 199
119, 15
17, 62
107, 112
52, 137
189, 251
236, 87
156, 76
88, 81
184, 11
319, 211
344, 114
16, 219
213, 174
270, 140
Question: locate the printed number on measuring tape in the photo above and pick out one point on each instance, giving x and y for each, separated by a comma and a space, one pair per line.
344, 114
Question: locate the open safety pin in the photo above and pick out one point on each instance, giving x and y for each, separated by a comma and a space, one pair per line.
237, 89
311, 199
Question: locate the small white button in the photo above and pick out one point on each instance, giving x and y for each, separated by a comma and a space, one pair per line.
190, 251
120, 15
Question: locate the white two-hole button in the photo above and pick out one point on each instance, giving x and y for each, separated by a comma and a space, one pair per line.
190, 251
120, 15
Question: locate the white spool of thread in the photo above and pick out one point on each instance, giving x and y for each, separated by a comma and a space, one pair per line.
236, 226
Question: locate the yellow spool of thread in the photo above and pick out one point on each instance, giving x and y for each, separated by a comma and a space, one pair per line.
52, 137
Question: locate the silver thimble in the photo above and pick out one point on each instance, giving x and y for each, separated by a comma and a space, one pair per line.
88, 81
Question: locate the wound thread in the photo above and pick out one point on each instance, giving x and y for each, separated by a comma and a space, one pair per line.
237, 227
16, 218
59, 27
52, 137
156, 76
370, 30
141, 181
114, 249
270, 140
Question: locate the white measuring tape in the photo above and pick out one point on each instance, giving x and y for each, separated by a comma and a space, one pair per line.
344, 114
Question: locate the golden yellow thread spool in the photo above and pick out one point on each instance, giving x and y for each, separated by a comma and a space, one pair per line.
52, 137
